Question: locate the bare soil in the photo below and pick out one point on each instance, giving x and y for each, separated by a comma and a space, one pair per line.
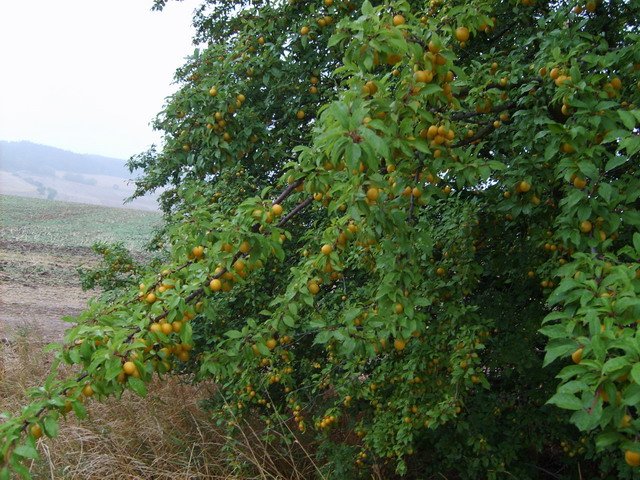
39, 285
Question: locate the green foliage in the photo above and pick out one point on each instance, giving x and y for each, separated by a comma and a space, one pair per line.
116, 270
478, 204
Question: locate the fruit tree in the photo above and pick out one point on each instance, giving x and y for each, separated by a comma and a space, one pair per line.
405, 233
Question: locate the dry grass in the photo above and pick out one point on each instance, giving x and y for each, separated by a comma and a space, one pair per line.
163, 436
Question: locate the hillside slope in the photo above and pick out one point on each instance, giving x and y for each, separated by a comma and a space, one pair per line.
31, 170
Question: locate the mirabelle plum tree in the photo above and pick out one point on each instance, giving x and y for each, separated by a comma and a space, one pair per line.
379, 216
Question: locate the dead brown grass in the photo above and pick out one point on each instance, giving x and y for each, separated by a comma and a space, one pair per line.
163, 436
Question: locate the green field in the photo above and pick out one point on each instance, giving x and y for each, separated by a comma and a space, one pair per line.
32, 220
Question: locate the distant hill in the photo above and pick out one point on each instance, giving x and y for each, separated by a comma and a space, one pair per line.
32, 157
39, 171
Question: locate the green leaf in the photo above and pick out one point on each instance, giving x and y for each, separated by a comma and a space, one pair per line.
74, 355
51, 426
615, 364
566, 401
631, 395
234, 334
636, 244
352, 155
614, 162
605, 190
186, 333
289, 321
554, 331
323, 337
631, 144
430, 89
632, 217
262, 348
587, 420
114, 367
348, 346
137, 386
607, 439
26, 450
559, 348
627, 118
79, 409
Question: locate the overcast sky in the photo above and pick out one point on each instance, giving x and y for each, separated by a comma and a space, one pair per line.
89, 75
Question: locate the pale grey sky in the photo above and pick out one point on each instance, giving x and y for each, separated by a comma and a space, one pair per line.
89, 75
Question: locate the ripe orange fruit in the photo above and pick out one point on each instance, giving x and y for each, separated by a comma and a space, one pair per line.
567, 148
462, 34
326, 249
524, 186
579, 182
304, 30
87, 391
215, 285
245, 247
150, 298
300, 114
198, 251
370, 88
433, 47
616, 83
399, 344
554, 73
432, 131
313, 287
440, 271
276, 209
129, 368
166, 328
632, 458
577, 355
423, 76
176, 326
586, 226
36, 431
213, 91
398, 20
373, 193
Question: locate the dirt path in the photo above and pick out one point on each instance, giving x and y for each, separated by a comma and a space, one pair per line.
38, 286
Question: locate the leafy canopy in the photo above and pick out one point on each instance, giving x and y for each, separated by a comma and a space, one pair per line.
403, 232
